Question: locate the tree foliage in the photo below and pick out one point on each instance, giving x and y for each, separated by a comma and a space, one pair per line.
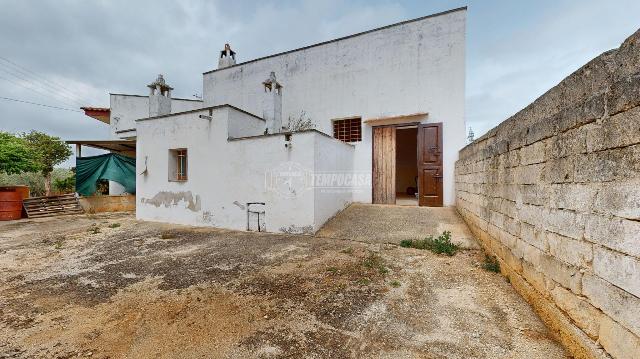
36, 181
49, 150
16, 155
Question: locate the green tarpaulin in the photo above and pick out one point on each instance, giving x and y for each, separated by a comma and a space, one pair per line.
110, 166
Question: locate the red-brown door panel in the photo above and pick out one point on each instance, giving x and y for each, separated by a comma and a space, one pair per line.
430, 164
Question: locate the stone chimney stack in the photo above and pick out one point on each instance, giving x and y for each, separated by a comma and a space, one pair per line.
272, 104
227, 57
159, 97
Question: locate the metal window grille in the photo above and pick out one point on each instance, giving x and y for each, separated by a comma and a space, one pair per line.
181, 165
348, 130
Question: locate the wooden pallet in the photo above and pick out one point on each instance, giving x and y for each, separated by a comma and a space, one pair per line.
48, 206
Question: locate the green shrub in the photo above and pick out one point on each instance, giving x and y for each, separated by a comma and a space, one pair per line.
439, 245
491, 264
35, 180
65, 185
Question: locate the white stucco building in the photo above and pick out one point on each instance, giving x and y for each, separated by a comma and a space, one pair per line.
284, 142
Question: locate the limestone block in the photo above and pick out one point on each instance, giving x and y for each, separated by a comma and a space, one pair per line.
567, 223
620, 130
529, 253
613, 301
534, 236
560, 170
586, 316
534, 278
535, 194
566, 275
512, 226
572, 251
628, 56
621, 199
603, 166
530, 174
581, 113
618, 269
533, 215
615, 233
624, 94
577, 197
617, 341
533, 153
497, 219
540, 130
572, 142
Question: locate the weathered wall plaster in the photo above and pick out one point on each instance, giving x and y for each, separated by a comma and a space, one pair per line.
224, 173
554, 193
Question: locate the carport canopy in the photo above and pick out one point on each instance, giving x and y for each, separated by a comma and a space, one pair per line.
123, 147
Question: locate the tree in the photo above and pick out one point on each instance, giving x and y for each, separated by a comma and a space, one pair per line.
15, 155
49, 151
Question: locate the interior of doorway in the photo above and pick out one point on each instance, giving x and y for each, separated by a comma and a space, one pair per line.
407, 166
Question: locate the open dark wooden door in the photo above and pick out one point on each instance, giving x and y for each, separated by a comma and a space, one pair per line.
384, 165
430, 164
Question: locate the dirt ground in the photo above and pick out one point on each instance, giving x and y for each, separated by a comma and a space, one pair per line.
108, 286
379, 223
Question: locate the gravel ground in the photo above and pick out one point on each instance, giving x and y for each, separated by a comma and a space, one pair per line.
108, 286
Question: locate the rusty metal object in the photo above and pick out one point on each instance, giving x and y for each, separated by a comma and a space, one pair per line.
10, 205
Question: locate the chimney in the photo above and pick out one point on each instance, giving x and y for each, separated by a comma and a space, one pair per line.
272, 104
159, 97
227, 57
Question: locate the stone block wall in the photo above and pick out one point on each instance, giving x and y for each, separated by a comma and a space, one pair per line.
554, 193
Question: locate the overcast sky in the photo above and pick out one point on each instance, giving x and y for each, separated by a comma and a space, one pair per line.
79, 51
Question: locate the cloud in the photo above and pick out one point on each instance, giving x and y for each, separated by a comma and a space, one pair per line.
515, 50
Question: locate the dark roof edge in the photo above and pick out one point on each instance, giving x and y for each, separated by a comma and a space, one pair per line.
202, 109
173, 98
340, 38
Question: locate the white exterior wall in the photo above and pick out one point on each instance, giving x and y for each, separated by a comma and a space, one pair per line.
126, 109
332, 158
223, 174
416, 67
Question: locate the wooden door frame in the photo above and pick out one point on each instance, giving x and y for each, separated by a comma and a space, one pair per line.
373, 150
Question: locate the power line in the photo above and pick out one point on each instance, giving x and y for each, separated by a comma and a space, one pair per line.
38, 104
42, 94
50, 91
44, 81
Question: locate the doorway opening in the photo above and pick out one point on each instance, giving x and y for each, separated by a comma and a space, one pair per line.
406, 186
400, 154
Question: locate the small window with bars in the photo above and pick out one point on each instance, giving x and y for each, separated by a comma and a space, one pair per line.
178, 164
348, 130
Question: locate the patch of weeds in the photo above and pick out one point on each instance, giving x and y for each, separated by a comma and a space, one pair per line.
347, 250
395, 284
114, 225
375, 261
167, 235
491, 264
364, 281
58, 243
94, 229
332, 270
439, 245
